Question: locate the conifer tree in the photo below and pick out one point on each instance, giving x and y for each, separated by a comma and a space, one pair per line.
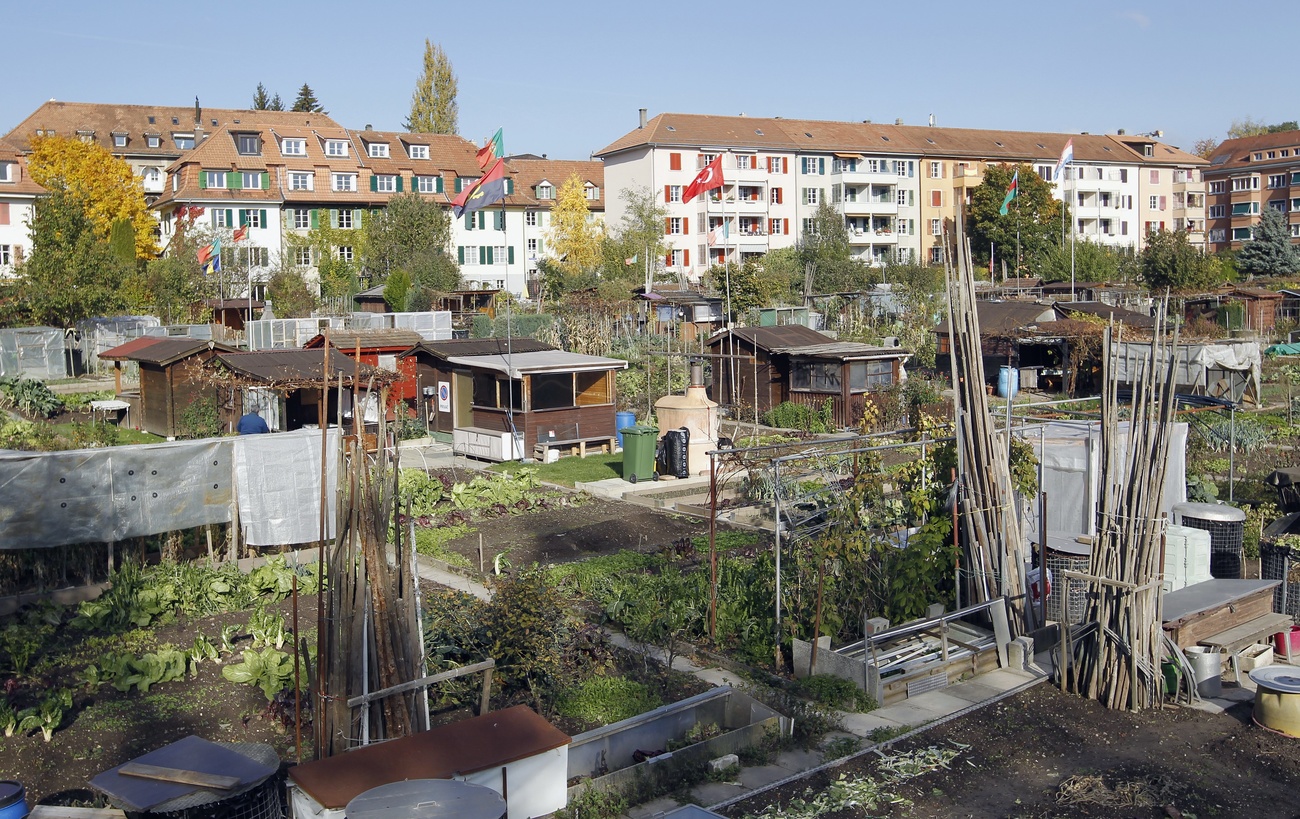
1270, 253
307, 102
433, 105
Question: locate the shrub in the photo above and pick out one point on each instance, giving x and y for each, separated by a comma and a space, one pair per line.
604, 700
788, 415
835, 692
200, 420
30, 397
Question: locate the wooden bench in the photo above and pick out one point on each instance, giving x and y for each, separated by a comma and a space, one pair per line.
574, 446
1238, 638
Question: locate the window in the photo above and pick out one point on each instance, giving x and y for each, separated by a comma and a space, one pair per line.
214, 179
301, 180
1278, 205
343, 219
336, 147
184, 142
1277, 180
293, 147
251, 180
811, 196
1295, 205
1217, 187
426, 184
530, 218
1245, 183
1216, 211
1218, 235
256, 256
776, 196
839, 165
220, 218
301, 219
674, 193
6, 255
345, 253
1154, 203
1295, 177
303, 256
592, 192
903, 198
1104, 225
677, 258
418, 151
7, 172
778, 226
386, 183
498, 393
936, 170
119, 140
469, 254
498, 255
812, 165
248, 144
936, 199
1044, 171
153, 140
378, 150
532, 247
936, 227
545, 191
810, 226
1245, 209
674, 226
343, 181
744, 162
816, 376
251, 218
775, 164
1241, 234
936, 255
705, 159
1155, 177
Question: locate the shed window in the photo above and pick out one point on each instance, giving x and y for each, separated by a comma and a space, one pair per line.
816, 376
870, 375
491, 392
552, 391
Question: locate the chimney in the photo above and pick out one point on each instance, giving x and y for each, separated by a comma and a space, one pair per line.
697, 373
898, 121
369, 127
643, 119
1122, 132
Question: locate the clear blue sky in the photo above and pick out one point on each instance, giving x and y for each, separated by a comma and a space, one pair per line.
567, 78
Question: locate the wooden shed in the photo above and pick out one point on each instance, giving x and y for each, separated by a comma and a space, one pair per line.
378, 348
760, 367
169, 379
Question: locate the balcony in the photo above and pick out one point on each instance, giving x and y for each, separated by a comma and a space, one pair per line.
882, 236
733, 206
880, 206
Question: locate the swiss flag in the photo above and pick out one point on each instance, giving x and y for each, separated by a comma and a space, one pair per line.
707, 179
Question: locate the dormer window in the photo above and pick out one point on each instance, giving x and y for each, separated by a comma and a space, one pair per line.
184, 142
592, 192
119, 140
336, 147
86, 136
293, 147
418, 151
377, 150
153, 140
249, 144
545, 190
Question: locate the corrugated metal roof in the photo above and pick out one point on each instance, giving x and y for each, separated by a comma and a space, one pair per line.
844, 350
297, 365
488, 741
480, 346
1005, 316
125, 352
769, 338
516, 365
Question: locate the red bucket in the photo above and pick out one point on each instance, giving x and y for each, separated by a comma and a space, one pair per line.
1282, 638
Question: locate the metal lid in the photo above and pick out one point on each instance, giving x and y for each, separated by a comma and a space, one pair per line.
1219, 512
428, 799
1283, 679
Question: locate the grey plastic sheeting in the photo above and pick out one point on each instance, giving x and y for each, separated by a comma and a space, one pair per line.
106, 495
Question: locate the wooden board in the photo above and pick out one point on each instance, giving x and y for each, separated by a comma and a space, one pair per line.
1192, 629
203, 780
61, 812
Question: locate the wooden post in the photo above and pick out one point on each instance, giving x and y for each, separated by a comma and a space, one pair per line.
713, 548
485, 699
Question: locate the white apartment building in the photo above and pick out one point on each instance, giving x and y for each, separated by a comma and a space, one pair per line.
17, 195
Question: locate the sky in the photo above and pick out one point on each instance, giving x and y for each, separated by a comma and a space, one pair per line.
565, 79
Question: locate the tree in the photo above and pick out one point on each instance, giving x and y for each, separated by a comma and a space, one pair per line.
1205, 148
1093, 262
72, 273
574, 237
108, 191
1250, 126
433, 105
825, 253
752, 285
288, 291
1170, 260
1033, 216
397, 290
412, 234
261, 100
307, 102
1270, 252
277, 104
639, 234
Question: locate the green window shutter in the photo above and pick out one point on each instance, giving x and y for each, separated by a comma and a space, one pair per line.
510, 186
334, 218
510, 254
482, 220
460, 253
458, 184
356, 218
229, 214
315, 218
374, 182
261, 219
469, 221
266, 181
483, 254
243, 217
234, 181
399, 183
821, 165
437, 185
203, 180
500, 220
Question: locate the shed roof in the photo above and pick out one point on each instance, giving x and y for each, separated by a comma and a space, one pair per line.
170, 350
479, 346
125, 352
769, 338
298, 367
1003, 317
517, 365
346, 340
488, 741
1104, 310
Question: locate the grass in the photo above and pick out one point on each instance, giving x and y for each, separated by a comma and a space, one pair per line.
605, 700
125, 435
572, 470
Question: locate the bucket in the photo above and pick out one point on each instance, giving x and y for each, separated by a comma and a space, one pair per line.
1287, 643
1169, 669
623, 420
13, 800
1008, 382
1207, 670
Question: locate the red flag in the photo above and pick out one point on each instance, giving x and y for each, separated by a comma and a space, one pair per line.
241, 234
706, 180
486, 190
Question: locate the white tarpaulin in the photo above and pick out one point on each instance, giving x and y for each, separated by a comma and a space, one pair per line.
279, 486
33, 352
1070, 455
1222, 369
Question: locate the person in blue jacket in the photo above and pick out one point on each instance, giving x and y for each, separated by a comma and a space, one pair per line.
250, 423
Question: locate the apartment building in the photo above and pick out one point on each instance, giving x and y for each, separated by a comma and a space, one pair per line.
540, 178
1247, 175
900, 188
17, 196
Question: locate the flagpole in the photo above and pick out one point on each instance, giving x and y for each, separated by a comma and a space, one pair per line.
726, 251
1075, 187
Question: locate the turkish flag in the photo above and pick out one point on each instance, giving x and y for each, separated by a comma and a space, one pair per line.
706, 180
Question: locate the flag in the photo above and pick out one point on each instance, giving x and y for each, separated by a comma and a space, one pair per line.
241, 234
631, 260
210, 256
487, 189
1012, 190
721, 231
706, 180
1067, 156
492, 149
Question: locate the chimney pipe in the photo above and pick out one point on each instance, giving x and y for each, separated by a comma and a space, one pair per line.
643, 119
697, 373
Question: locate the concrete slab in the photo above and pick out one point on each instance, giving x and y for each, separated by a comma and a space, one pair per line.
927, 707
973, 692
795, 761
862, 725
648, 809
1004, 679
711, 793
761, 776
719, 676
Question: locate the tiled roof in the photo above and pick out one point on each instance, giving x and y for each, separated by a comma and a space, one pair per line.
557, 171
346, 340
703, 130
21, 184
135, 121
1237, 154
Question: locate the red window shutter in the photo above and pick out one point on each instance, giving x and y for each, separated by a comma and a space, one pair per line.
674, 162
668, 225
1162, 203
785, 164
686, 258
668, 258
780, 196
771, 226
668, 189
785, 224
4, 213
936, 199
686, 226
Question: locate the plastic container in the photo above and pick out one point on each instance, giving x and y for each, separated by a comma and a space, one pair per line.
1287, 643
674, 453
1207, 669
1169, 669
623, 420
13, 800
1008, 382
639, 453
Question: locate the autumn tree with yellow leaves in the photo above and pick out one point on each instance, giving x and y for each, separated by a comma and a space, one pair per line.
104, 185
575, 239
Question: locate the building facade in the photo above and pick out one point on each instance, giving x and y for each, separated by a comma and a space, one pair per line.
1247, 175
17, 197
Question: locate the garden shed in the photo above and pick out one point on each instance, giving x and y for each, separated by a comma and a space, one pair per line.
1228, 369
764, 366
33, 352
378, 348
685, 314
170, 381
514, 752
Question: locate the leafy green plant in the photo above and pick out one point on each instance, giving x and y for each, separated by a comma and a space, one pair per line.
21, 643
30, 397
835, 692
805, 417
271, 670
49, 716
229, 634
433, 543
199, 419
203, 650
124, 671
8, 718
592, 803
420, 490
267, 629
605, 700
840, 747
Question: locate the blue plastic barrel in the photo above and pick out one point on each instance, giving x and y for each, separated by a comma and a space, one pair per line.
623, 420
13, 800
1008, 382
